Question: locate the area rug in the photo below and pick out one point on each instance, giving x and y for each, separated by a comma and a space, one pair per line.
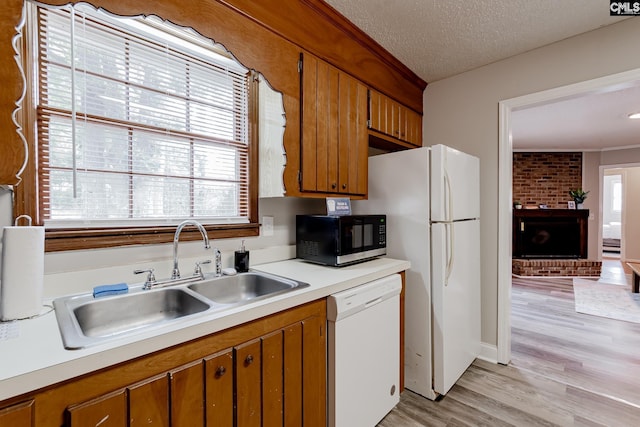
606, 300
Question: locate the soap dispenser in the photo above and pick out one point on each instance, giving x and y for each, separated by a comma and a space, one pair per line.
241, 258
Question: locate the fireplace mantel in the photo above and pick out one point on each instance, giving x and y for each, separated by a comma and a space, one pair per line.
550, 233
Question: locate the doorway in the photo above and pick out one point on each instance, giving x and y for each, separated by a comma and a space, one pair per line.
620, 205
506, 108
611, 226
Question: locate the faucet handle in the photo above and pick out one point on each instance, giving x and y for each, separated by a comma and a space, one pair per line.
151, 278
198, 270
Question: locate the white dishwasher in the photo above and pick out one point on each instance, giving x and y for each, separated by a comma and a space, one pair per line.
364, 352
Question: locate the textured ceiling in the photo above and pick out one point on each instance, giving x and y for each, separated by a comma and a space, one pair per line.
597, 121
440, 38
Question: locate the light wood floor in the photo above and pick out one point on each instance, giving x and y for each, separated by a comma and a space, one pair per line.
567, 369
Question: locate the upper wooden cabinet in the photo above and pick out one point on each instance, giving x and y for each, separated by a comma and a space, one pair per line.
263, 35
393, 122
334, 137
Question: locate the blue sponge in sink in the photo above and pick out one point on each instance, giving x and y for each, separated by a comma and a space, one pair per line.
106, 290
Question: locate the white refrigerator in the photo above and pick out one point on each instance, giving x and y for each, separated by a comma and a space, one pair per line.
431, 197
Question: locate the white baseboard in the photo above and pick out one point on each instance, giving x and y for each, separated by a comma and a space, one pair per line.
488, 352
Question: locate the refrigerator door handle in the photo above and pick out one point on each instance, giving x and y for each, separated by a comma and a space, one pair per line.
448, 200
449, 228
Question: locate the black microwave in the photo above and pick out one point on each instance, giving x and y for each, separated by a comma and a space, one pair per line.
340, 240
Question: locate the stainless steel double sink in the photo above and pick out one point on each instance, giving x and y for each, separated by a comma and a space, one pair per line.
85, 320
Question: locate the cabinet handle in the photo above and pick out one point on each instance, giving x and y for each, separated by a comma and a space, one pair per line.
220, 371
334, 185
344, 186
248, 360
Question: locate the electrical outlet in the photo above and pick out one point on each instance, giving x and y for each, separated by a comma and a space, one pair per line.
267, 226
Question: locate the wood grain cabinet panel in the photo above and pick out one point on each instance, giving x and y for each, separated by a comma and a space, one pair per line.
334, 145
248, 360
272, 379
149, 402
413, 127
187, 395
17, 415
394, 122
313, 370
105, 411
293, 383
219, 389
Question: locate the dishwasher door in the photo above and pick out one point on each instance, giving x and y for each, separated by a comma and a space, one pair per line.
364, 352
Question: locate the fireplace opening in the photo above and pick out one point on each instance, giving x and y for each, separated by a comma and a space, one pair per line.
548, 238
550, 233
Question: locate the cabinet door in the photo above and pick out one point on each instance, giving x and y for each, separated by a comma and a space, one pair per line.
394, 120
354, 140
272, 379
248, 384
413, 128
314, 357
149, 402
18, 415
187, 395
381, 113
319, 150
106, 411
334, 144
293, 378
219, 389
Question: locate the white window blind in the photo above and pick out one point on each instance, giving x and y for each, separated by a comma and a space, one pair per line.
138, 121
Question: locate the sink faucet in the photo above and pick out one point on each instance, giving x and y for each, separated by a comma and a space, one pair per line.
176, 272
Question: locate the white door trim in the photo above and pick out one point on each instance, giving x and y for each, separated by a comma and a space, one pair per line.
505, 159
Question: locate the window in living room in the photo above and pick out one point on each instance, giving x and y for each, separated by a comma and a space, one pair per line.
611, 213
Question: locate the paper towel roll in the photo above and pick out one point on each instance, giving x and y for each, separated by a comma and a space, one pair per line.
22, 272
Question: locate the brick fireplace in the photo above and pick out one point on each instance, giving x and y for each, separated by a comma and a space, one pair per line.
556, 267
546, 178
549, 242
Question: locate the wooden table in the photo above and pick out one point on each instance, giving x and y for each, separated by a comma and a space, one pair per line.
635, 269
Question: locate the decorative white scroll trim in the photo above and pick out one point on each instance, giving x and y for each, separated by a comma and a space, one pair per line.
15, 42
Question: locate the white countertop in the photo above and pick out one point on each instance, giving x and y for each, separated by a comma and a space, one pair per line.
33, 356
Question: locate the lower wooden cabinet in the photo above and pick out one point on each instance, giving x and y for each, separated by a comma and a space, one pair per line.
149, 402
17, 415
219, 389
270, 372
248, 390
109, 410
186, 394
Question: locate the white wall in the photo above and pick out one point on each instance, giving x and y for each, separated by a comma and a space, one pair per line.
630, 214
462, 111
592, 161
79, 271
621, 157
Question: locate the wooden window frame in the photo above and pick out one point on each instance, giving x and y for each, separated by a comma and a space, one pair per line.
27, 193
